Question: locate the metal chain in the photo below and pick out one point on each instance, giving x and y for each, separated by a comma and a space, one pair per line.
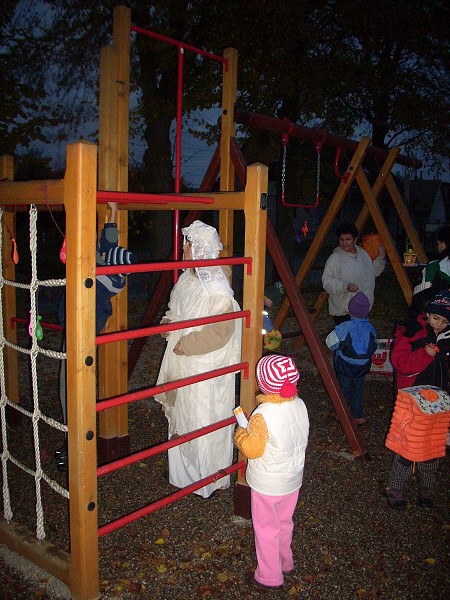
318, 174
283, 171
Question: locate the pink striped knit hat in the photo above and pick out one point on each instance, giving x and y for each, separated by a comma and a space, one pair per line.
277, 374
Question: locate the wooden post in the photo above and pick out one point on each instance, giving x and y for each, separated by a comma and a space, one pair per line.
405, 218
9, 294
255, 246
383, 230
80, 187
227, 170
114, 440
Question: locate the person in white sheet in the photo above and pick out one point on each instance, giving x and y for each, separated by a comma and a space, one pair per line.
200, 292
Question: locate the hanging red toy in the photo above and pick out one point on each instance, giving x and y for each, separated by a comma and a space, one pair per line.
305, 228
15, 254
62, 253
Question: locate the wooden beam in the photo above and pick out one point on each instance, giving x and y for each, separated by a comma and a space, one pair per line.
80, 203
228, 131
42, 553
9, 292
50, 191
383, 230
114, 439
315, 344
253, 300
405, 218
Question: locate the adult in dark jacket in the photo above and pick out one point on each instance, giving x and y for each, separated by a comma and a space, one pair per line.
435, 276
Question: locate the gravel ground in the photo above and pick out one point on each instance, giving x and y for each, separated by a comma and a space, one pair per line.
347, 542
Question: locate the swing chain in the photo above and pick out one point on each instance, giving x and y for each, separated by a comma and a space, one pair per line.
285, 141
319, 146
318, 175
283, 171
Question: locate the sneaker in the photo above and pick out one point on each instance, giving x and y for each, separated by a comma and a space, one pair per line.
360, 421
62, 462
394, 499
61, 451
251, 581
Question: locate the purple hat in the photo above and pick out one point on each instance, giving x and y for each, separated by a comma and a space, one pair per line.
359, 306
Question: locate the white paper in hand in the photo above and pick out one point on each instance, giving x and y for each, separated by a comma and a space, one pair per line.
240, 416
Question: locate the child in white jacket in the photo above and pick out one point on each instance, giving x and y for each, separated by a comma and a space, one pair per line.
274, 442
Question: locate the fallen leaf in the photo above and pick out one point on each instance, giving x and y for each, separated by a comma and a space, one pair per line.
162, 569
222, 577
160, 541
431, 561
361, 592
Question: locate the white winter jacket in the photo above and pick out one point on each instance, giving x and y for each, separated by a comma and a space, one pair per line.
279, 471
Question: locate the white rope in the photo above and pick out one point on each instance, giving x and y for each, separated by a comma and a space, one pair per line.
35, 415
40, 532
51, 422
38, 282
45, 351
53, 484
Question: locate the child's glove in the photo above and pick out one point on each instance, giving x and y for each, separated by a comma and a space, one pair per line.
443, 340
239, 434
252, 440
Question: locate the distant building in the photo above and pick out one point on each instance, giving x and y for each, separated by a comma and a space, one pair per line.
429, 206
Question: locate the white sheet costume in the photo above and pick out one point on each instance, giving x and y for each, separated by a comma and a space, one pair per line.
198, 293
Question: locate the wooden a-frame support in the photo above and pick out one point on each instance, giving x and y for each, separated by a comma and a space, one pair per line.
355, 172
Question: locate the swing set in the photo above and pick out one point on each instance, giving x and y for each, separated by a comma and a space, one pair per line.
84, 192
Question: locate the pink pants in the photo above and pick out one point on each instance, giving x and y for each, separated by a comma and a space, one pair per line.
273, 527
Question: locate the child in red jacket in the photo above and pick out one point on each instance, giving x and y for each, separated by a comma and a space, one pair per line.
419, 357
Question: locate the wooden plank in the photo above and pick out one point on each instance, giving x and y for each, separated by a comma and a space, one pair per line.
113, 175
80, 203
405, 218
253, 293
228, 131
9, 292
383, 230
44, 554
315, 344
49, 191
253, 300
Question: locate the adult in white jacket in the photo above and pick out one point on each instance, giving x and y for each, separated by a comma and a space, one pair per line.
349, 270
200, 292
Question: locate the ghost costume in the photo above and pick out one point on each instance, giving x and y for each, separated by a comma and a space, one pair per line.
200, 292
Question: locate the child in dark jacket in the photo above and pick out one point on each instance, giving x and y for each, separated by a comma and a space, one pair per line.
355, 342
420, 420
107, 286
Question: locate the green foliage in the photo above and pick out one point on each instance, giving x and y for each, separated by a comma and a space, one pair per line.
377, 68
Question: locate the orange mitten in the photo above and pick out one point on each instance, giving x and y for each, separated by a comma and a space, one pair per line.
252, 440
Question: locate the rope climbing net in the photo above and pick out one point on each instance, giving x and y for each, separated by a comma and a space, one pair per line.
35, 415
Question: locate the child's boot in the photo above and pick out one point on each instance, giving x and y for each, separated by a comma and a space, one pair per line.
425, 498
395, 498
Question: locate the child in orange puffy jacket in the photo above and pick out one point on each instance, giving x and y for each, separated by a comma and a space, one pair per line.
421, 416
